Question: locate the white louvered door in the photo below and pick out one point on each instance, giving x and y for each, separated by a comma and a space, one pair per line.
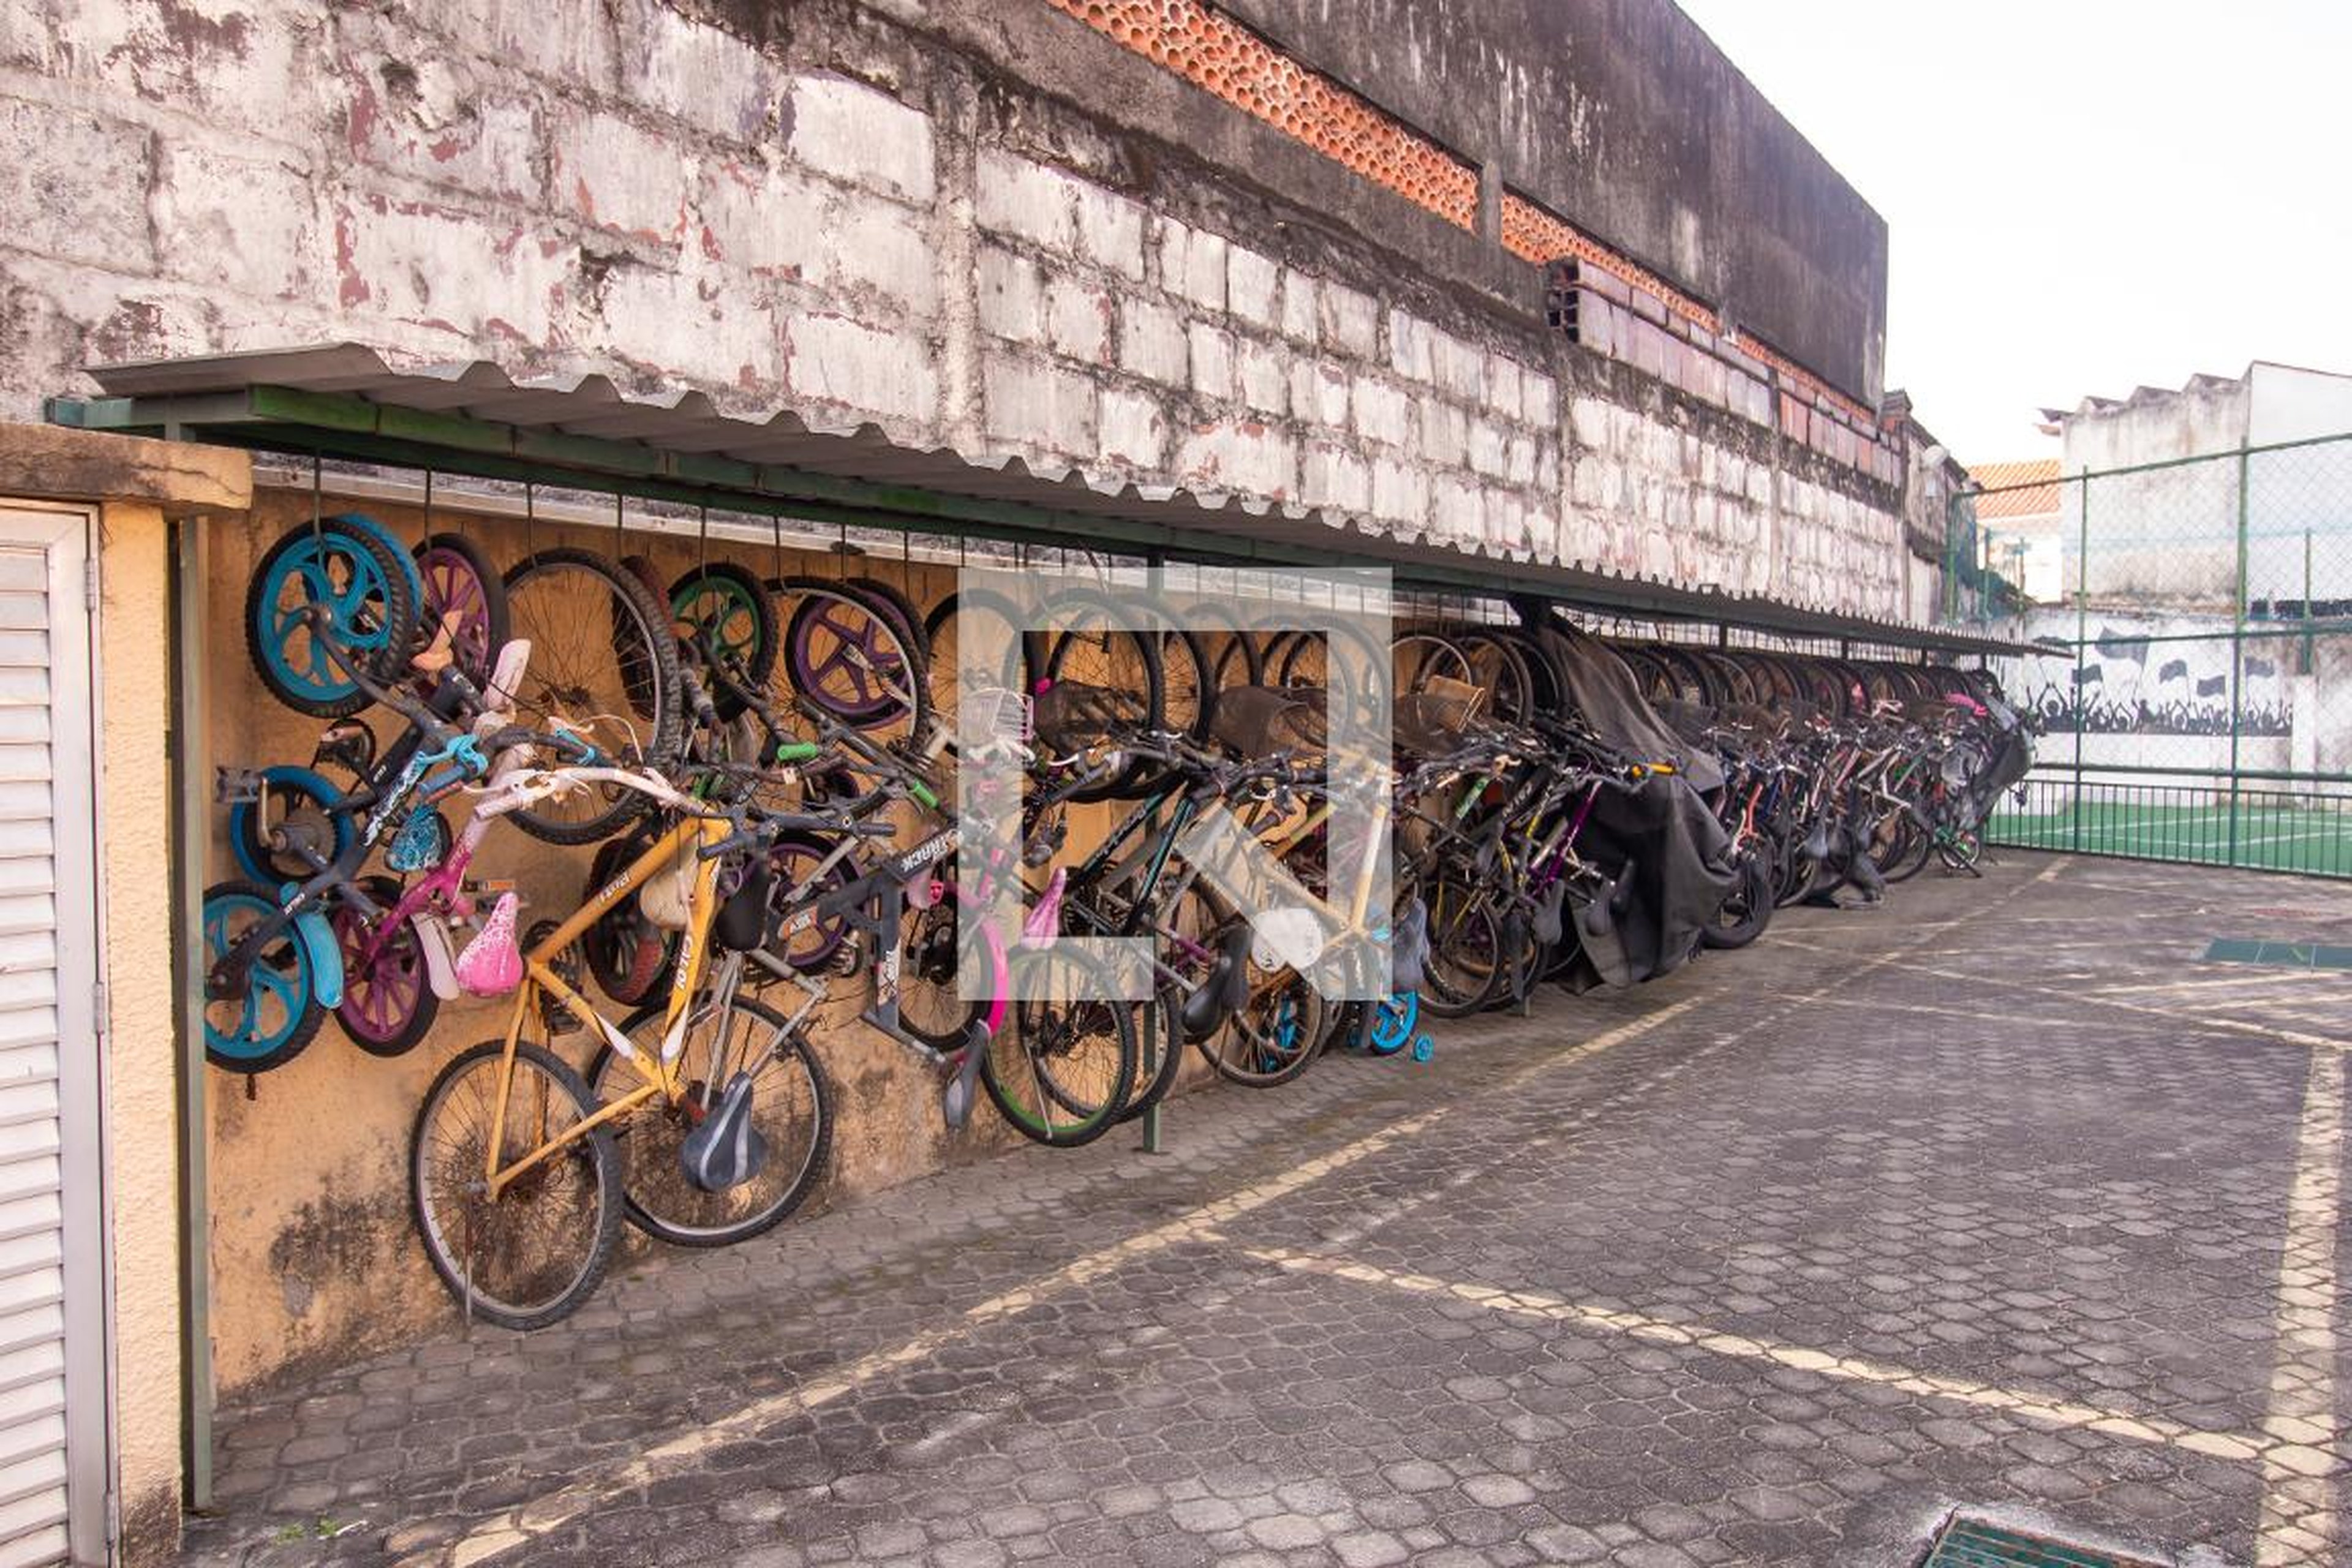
53, 1396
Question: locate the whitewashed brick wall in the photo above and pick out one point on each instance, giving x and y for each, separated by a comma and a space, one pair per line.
637, 194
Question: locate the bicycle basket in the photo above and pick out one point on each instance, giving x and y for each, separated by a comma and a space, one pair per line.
1254, 722
1431, 721
996, 713
1071, 715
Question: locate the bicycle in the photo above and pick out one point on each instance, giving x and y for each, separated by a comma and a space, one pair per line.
517, 1179
276, 963
522, 1170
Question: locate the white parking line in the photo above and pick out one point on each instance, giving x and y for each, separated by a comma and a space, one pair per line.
2171, 1014
523, 1524
2306, 1456
2096, 999
2280, 976
1745, 1347
532, 1521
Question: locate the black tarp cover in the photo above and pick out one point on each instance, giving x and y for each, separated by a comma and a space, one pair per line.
1659, 840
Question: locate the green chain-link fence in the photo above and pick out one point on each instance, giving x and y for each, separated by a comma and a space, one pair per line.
2197, 697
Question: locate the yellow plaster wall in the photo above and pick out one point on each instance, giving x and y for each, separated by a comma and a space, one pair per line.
314, 1257
137, 485
142, 1095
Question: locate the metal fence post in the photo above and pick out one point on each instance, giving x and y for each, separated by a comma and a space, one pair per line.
1952, 557
2082, 635
2237, 641
2307, 611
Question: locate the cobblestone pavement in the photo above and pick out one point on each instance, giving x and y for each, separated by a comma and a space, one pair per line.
1991, 1199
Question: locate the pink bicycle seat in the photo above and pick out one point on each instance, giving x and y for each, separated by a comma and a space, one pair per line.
491, 964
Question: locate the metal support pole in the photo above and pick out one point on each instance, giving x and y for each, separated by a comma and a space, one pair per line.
1153, 1141
1952, 558
191, 832
2308, 612
2082, 635
2237, 641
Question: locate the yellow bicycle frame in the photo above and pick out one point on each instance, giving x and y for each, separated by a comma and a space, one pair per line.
661, 1076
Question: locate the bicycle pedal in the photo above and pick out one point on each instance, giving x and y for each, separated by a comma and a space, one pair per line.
236, 786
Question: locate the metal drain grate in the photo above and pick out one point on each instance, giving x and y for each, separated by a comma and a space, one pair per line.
1972, 1543
2278, 955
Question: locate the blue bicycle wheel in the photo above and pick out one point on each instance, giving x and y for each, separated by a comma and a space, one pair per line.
333, 586
1394, 1019
265, 1022
410, 568
308, 811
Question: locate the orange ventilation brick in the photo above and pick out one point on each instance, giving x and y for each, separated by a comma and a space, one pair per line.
1534, 235
1212, 51
1808, 386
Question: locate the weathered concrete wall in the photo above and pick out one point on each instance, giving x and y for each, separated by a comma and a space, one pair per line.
1623, 117
977, 225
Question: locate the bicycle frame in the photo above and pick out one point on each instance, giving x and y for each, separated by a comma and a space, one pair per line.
541, 981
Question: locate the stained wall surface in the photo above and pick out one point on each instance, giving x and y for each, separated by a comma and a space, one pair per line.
992, 226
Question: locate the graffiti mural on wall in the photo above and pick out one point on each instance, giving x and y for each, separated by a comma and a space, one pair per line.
2162, 679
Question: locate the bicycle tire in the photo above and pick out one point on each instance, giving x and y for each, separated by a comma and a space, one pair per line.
1418, 658
1240, 659
792, 858
1276, 1032
444, 1175
1147, 669
290, 994
886, 684
734, 620
954, 632
1360, 684
1749, 907
557, 599
1158, 1068
1499, 668
654, 1188
291, 790
892, 598
1464, 929
941, 1017
456, 577
371, 609
1037, 1033
626, 953
389, 1006
1919, 847
1961, 851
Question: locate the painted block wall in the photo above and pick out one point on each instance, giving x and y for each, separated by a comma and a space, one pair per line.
969, 226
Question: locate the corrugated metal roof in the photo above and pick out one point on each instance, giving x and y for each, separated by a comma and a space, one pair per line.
661, 435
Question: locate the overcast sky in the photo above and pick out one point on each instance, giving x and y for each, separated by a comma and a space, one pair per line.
2082, 195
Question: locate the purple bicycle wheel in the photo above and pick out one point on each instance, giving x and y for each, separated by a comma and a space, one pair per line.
459, 580
388, 1002
849, 656
794, 858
